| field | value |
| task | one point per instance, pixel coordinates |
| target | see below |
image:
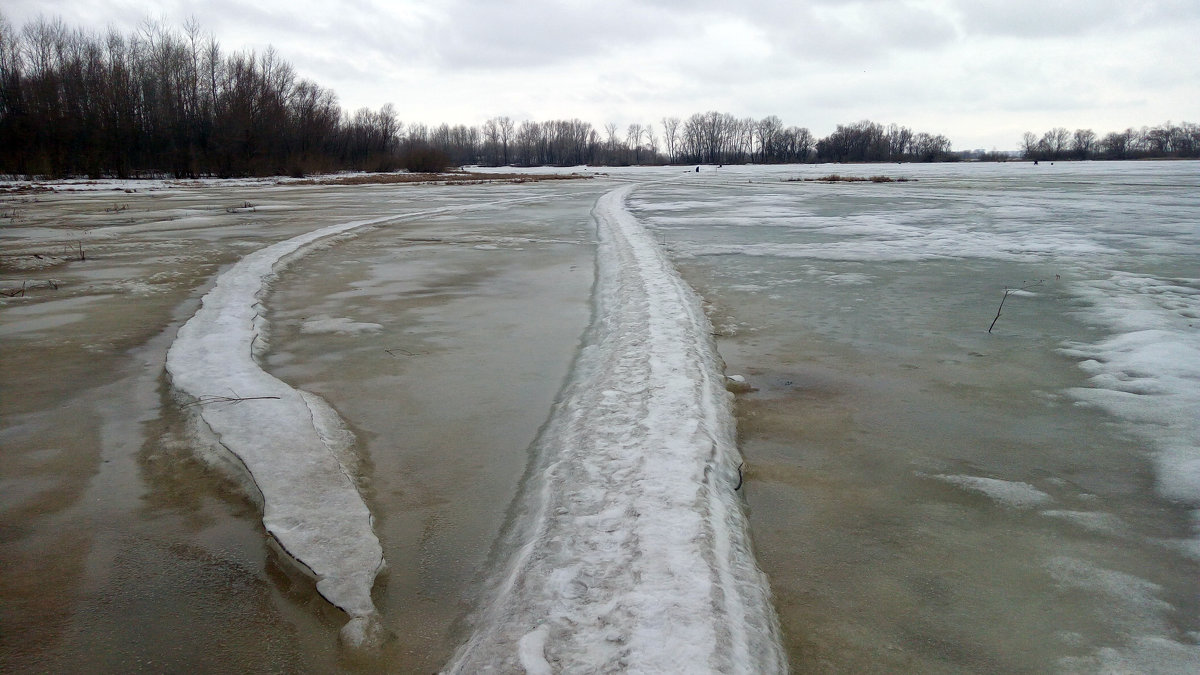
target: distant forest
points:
(1168, 140)
(169, 101)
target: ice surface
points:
(629, 550)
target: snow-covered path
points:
(629, 550)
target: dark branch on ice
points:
(1007, 292)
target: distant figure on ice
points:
(697, 169)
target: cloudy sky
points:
(981, 72)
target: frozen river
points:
(923, 495)
(927, 496)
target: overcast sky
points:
(981, 72)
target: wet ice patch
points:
(40, 324)
(327, 324)
(1146, 654)
(927, 245)
(849, 279)
(1134, 602)
(1135, 607)
(42, 317)
(1093, 521)
(1009, 493)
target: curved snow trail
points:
(292, 444)
(629, 550)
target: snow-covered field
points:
(509, 397)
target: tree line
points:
(1166, 140)
(164, 100)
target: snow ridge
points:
(629, 551)
(289, 448)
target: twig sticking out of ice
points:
(288, 446)
(629, 549)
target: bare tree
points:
(651, 142)
(1030, 147)
(531, 144)
(670, 136)
(610, 133)
(1055, 142)
(804, 143)
(767, 131)
(900, 141)
(633, 138)
(506, 132)
(491, 142)
(1083, 143)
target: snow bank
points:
(311, 506)
(629, 550)
(289, 446)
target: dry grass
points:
(835, 178)
(449, 178)
(23, 188)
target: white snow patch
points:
(532, 647)
(327, 324)
(1147, 371)
(1132, 600)
(849, 279)
(629, 550)
(1134, 607)
(1146, 654)
(1094, 521)
(1010, 493)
